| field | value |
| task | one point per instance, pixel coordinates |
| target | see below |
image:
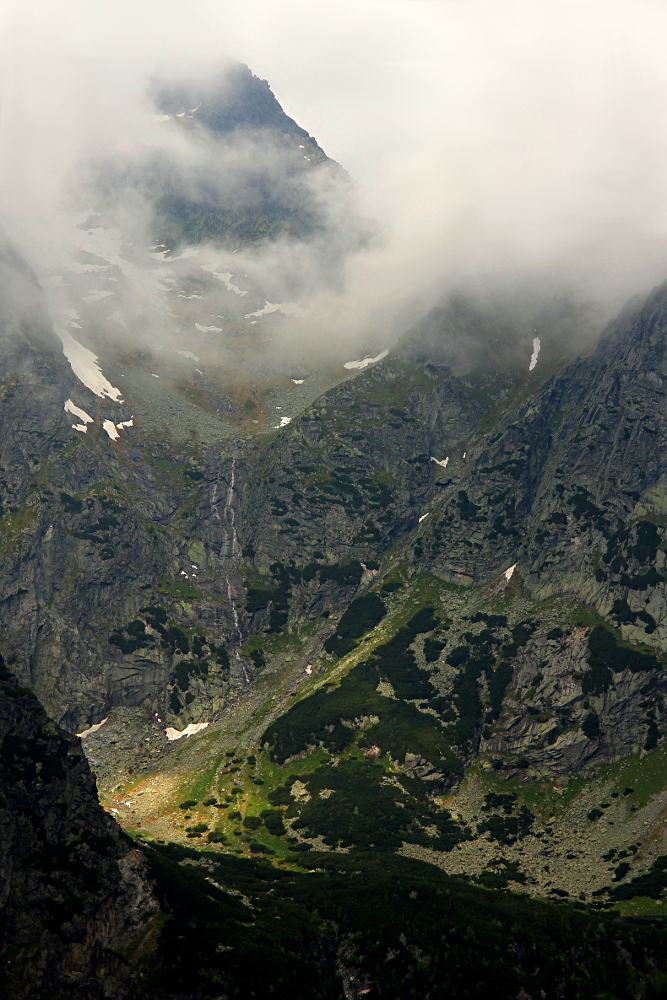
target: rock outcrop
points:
(76, 904)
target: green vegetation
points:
(444, 937)
(179, 588)
(393, 724)
(500, 823)
(591, 726)
(362, 615)
(607, 656)
(351, 806)
(650, 885)
(433, 649)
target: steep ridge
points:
(74, 891)
(276, 183)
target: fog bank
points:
(491, 144)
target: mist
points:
(491, 146)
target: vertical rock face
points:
(74, 898)
(571, 484)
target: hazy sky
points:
(486, 137)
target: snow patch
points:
(111, 429)
(76, 411)
(187, 354)
(508, 572)
(365, 362)
(423, 516)
(444, 462)
(206, 329)
(85, 367)
(92, 729)
(96, 295)
(534, 355)
(225, 278)
(284, 421)
(298, 381)
(286, 308)
(190, 730)
(126, 423)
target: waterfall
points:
(230, 553)
(239, 634)
(231, 540)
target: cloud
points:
(492, 143)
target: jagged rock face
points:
(352, 475)
(553, 723)
(563, 481)
(278, 183)
(90, 534)
(233, 99)
(73, 892)
(82, 569)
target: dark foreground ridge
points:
(75, 901)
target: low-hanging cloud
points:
(493, 144)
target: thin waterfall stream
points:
(231, 555)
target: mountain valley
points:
(336, 637)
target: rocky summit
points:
(321, 678)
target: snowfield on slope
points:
(85, 367)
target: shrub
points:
(607, 655)
(652, 734)
(273, 821)
(197, 829)
(260, 849)
(458, 656)
(402, 728)
(432, 650)
(498, 682)
(188, 804)
(362, 615)
(591, 726)
(348, 574)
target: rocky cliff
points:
(75, 899)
